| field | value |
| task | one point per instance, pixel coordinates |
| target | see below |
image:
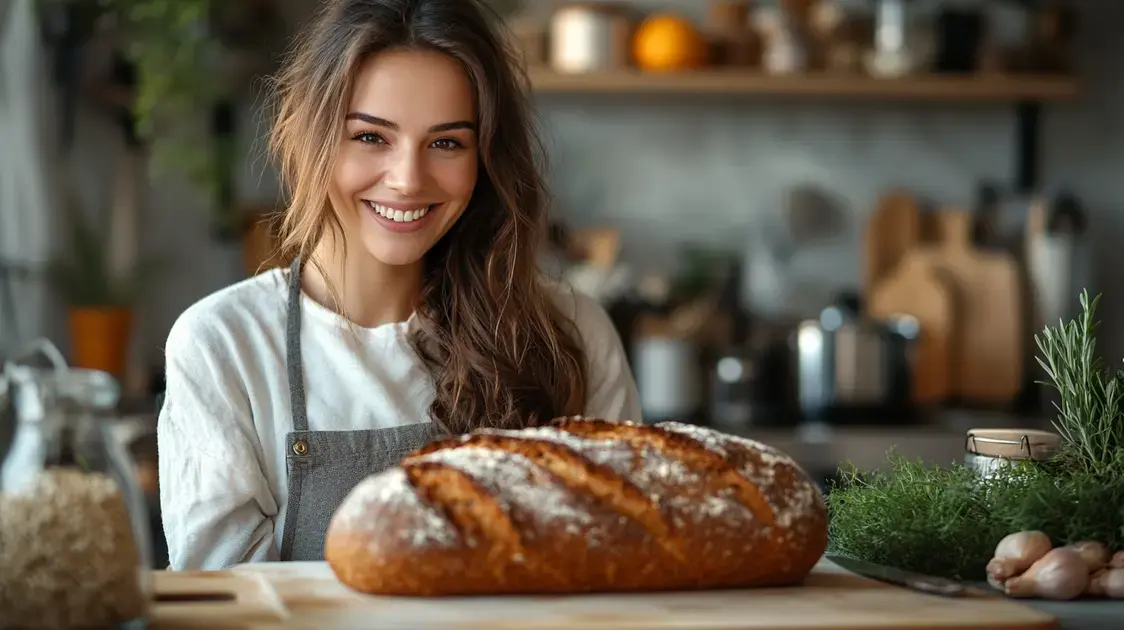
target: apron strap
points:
(293, 349)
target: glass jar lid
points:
(27, 390)
(1023, 444)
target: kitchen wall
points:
(700, 169)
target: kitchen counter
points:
(281, 596)
(1084, 615)
(939, 439)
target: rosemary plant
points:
(1090, 411)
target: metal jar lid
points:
(1012, 443)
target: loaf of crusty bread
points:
(580, 506)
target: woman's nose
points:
(406, 174)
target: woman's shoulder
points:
(230, 315)
(611, 390)
(588, 316)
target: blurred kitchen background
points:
(831, 225)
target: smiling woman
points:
(404, 139)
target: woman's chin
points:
(397, 254)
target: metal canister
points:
(986, 450)
(590, 37)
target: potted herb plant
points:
(99, 278)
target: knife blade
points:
(900, 577)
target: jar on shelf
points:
(75, 548)
(985, 450)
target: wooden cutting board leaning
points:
(893, 230)
(967, 301)
(919, 288)
(830, 599)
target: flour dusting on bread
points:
(660, 477)
(391, 492)
(518, 483)
(788, 507)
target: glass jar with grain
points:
(75, 551)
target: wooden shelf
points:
(977, 88)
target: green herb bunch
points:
(946, 521)
(1090, 416)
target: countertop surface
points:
(307, 595)
(1083, 614)
(938, 437)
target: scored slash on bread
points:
(580, 505)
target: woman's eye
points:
(369, 138)
(447, 144)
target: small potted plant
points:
(98, 279)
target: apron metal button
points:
(300, 447)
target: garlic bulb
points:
(1107, 583)
(1015, 554)
(1060, 574)
(1095, 554)
(1117, 561)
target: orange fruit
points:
(668, 42)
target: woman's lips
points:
(401, 218)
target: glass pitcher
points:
(75, 549)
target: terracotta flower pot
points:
(99, 338)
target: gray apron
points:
(323, 466)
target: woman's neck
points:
(370, 293)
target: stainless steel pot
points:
(844, 361)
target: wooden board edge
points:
(254, 600)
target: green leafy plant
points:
(1090, 415)
(194, 60)
(946, 520)
(191, 59)
(174, 56)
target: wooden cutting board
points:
(989, 362)
(893, 229)
(831, 599)
(214, 600)
(919, 288)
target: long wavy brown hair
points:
(499, 351)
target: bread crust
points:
(580, 506)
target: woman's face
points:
(407, 164)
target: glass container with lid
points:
(75, 549)
(986, 450)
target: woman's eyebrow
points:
(382, 122)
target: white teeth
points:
(399, 216)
